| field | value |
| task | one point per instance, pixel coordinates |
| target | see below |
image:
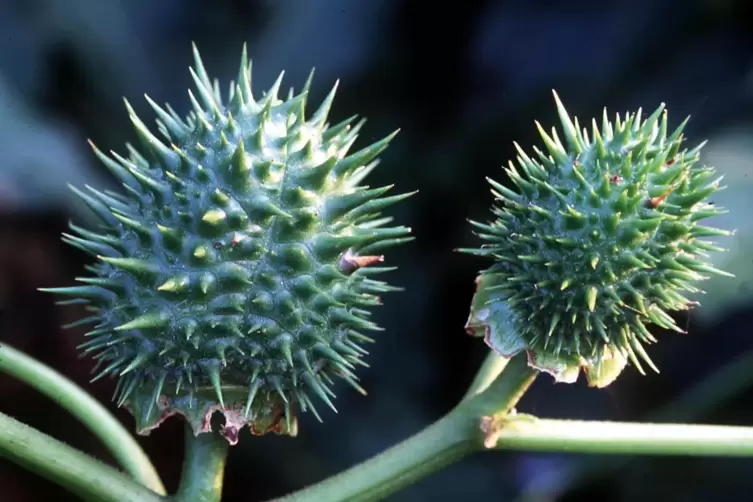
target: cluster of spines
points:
(601, 237)
(278, 179)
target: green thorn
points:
(177, 284)
(239, 167)
(117, 170)
(244, 76)
(338, 207)
(99, 209)
(288, 416)
(270, 209)
(135, 225)
(641, 352)
(553, 323)
(146, 321)
(285, 348)
(315, 177)
(163, 154)
(175, 130)
(273, 91)
(127, 390)
(555, 148)
(336, 130)
(251, 395)
(318, 387)
(171, 237)
(352, 382)
(278, 388)
(363, 156)
(81, 322)
(109, 369)
(308, 404)
(571, 134)
(591, 294)
(214, 378)
(200, 252)
(320, 115)
(214, 217)
(85, 291)
(133, 265)
(137, 361)
(156, 394)
(206, 94)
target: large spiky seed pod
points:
(600, 238)
(232, 272)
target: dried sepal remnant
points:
(600, 236)
(199, 407)
(239, 254)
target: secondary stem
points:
(460, 432)
(454, 436)
(718, 387)
(621, 438)
(203, 467)
(86, 409)
(77, 472)
(487, 373)
(503, 393)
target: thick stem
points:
(77, 472)
(454, 436)
(203, 467)
(437, 446)
(621, 438)
(86, 409)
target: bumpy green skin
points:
(231, 272)
(601, 239)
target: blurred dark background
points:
(463, 80)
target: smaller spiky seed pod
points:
(601, 238)
(234, 271)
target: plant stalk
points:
(485, 421)
(623, 438)
(435, 447)
(487, 373)
(203, 467)
(87, 410)
(449, 439)
(723, 384)
(79, 473)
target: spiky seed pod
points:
(600, 238)
(231, 272)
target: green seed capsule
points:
(228, 268)
(598, 239)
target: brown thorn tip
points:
(349, 262)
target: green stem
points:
(487, 373)
(722, 385)
(623, 438)
(86, 409)
(74, 470)
(451, 438)
(504, 392)
(437, 446)
(203, 467)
